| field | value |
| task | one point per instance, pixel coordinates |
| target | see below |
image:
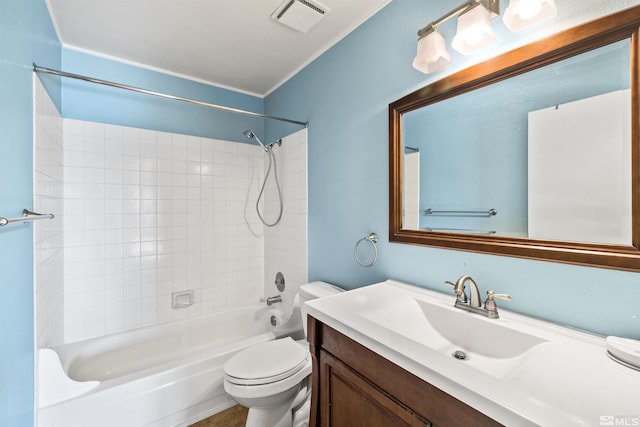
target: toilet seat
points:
(267, 362)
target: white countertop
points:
(567, 381)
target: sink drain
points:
(459, 354)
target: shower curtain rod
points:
(39, 69)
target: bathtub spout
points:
(273, 300)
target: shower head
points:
(250, 135)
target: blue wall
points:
(26, 36)
(345, 95)
(87, 101)
(91, 102)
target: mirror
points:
(535, 153)
(545, 154)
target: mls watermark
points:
(620, 420)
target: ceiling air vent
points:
(300, 15)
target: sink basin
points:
(492, 346)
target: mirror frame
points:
(609, 29)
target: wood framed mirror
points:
(518, 222)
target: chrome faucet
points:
(273, 300)
(473, 303)
(460, 290)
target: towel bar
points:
(490, 212)
(27, 216)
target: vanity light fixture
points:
(474, 29)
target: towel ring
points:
(373, 239)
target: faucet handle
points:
(490, 304)
(491, 295)
(459, 290)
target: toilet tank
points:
(314, 290)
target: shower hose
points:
(272, 163)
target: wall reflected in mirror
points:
(548, 150)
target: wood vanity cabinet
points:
(355, 387)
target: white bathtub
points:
(166, 375)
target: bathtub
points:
(166, 375)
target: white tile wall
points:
(48, 238)
(149, 213)
(286, 243)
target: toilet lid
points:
(267, 362)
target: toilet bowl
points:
(273, 378)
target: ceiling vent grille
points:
(301, 15)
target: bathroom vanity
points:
(389, 354)
(356, 386)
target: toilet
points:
(273, 378)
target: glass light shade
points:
(521, 14)
(432, 53)
(474, 30)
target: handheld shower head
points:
(249, 134)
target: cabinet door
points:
(349, 400)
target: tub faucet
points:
(273, 300)
(473, 304)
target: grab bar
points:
(27, 216)
(460, 230)
(490, 212)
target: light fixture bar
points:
(493, 6)
(474, 29)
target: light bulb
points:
(474, 30)
(473, 38)
(529, 10)
(522, 14)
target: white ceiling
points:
(229, 43)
